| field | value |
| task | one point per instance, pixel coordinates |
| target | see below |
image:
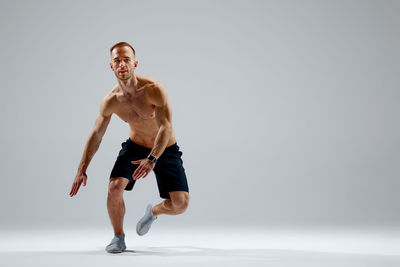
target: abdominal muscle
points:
(144, 133)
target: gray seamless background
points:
(286, 111)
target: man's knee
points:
(180, 201)
(116, 186)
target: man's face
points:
(123, 62)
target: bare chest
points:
(135, 109)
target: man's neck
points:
(129, 86)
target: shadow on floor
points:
(200, 251)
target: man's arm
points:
(93, 143)
(158, 96)
(95, 137)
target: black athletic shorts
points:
(169, 170)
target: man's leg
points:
(115, 203)
(176, 205)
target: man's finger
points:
(137, 175)
(73, 188)
(72, 192)
(140, 175)
(141, 172)
(135, 161)
(77, 189)
(137, 171)
(77, 185)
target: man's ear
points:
(111, 66)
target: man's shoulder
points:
(108, 102)
(156, 93)
(148, 80)
(110, 96)
(145, 79)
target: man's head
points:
(123, 60)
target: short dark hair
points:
(120, 44)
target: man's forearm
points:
(92, 145)
(161, 141)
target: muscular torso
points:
(139, 114)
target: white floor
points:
(203, 247)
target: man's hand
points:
(144, 168)
(80, 178)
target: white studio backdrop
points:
(287, 112)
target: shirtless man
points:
(143, 103)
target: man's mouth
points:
(122, 72)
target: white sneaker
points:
(117, 244)
(144, 224)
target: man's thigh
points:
(171, 178)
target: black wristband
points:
(152, 158)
